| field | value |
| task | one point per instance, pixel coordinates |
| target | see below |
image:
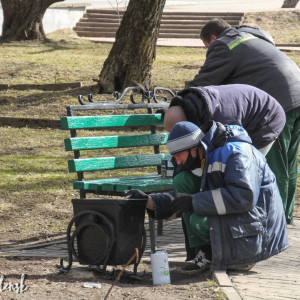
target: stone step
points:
(166, 13)
(89, 23)
(97, 26)
(96, 34)
(105, 23)
(93, 34)
(194, 23)
(116, 18)
(164, 23)
(114, 29)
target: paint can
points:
(160, 267)
(167, 169)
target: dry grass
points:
(284, 26)
(35, 187)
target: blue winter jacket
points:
(240, 197)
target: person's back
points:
(235, 55)
(240, 57)
(237, 104)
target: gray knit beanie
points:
(183, 136)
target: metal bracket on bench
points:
(143, 93)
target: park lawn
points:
(35, 188)
(61, 62)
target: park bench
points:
(149, 182)
(115, 153)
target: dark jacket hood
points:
(219, 134)
(194, 105)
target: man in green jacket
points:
(248, 55)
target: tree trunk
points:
(289, 3)
(22, 19)
(133, 52)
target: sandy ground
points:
(232, 6)
(44, 282)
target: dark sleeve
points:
(217, 67)
(162, 205)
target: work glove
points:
(136, 194)
(182, 203)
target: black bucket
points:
(108, 230)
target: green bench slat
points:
(150, 183)
(119, 162)
(147, 183)
(84, 122)
(104, 142)
(95, 184)
(155, 186)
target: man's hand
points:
(136, 194)
(182, 203)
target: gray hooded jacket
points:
(237, 56)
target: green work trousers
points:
(196, 225)
(284, 163)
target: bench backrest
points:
(95, 140)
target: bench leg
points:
(159, 227)
(152, 234)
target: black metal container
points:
(108, 230)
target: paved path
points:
(275, 278)
(172, 240)
(188, 43)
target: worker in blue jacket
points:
(247, 55)
(240, 104)
(235, 208)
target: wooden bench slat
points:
(119, 162)
(163, 185)
(84, 122)
(104, 142)
(98, 182)
(147, 185)
(150, 183)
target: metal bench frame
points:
(97, 106)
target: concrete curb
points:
(226, 286)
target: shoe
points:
(198, 264)
(243, 269)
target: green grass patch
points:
(35, 187)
